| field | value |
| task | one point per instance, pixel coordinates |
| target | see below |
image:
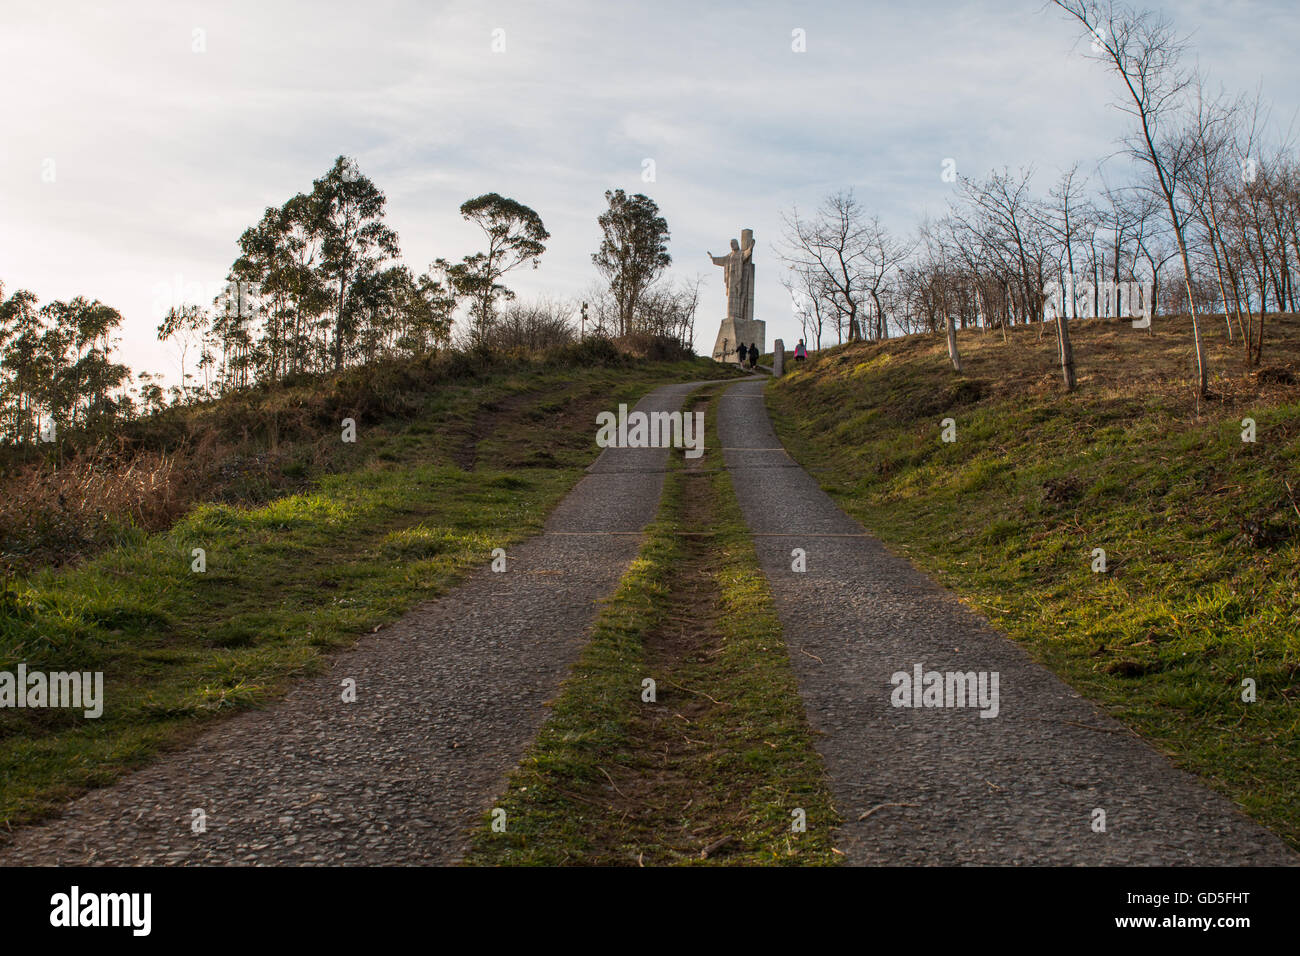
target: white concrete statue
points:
(739, 325)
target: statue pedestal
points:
(739, 330)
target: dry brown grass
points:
(1114, 361)
(50, 513)
(53, 514)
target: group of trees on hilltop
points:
(1209, 215)
(56, 366)
(327, 290)
(318, 286)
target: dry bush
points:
(653, 348)
(532, 328)
(53, 513)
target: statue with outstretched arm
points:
(726, 260)
(738, 280)
(733, 277)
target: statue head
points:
(735, 245)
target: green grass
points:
(290, 580)
(1008, 517)
(608, 780)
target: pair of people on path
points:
(752, 354)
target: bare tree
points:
(667, 309)
(1142, 49)
(945, 280)
(882, 254)
(1000, 216)
(835, 246)
(1122, 216)
(1211, 131)
(810, 296)
(1157, 248)
(1066, 218)
(533, 326)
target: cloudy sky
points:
(161, 156)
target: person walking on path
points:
(753, 356)
(800, 351)
(740, 352)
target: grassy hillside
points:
(60, 504)
(1201, 530)
(443, 470)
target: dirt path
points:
(943, 785)
(447, 700)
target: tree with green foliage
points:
(355, 242)
(56, 363)
(185, 325)
(23, 375)
(515, 235)
(633, 252)
(79, 350)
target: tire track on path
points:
(448, 698)
(944, 785)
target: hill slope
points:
(1201, 531)
(450, 465)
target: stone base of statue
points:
(739, 330)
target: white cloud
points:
(164, 156)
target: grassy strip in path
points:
(288, 581)
(1202, 540)
(721, 758)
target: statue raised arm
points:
(735, 268)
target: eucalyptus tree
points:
(355, 242)
(633, 250)
(24, 376)
(515, 236)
